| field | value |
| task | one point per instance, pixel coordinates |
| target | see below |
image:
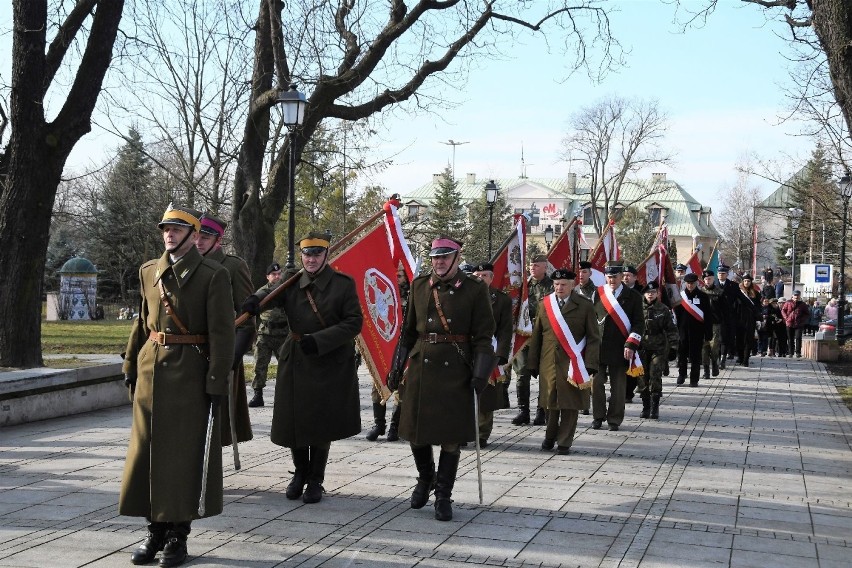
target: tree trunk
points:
(36, 154)
(832, 22)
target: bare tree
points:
(358, 58)
(614, 138)
(738, 219)
(38, 147)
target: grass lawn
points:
(103, 336)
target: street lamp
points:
(490, 198)
(846, 191)
(293, 104)
(548, 236)
(795, 216)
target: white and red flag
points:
(565, 251)
(510, 276)
(372, 260)
(605, 251)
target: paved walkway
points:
(753, 468)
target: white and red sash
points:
(577, 373)
(691, 308)
(609, 299)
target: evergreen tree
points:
(635, 235)
(446, 214)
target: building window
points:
(588, 217)
(414, 212)
(655, 215)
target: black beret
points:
(585, 264)
(563, 274)
(691, 277)
(540, 258)
(630, 269)
(484, 267)
(708, 273)
(274, 267)
(651, 287)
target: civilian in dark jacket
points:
(777, 329)
(747, 314)
(694, 326)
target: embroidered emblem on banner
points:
(382, 299)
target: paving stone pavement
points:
(752, 468)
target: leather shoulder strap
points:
(167, 305)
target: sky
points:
(722, 86)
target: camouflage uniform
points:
(271, 334)
(660, 338)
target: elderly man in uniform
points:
(619, 314)
(711, 349)
(446, 339)
(561, 360)
(659, 345)
(730, 291)
(271, 334)
(183, 340)
(493, 398)
(209, 244)
(539, 285)
(316, 388)
(692, 314)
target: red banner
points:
(564, 253)
(510, 276)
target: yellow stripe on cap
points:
(183, 216)
(305, 243)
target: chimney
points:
(572, 181)
(471, 179)
(656, 178)
(436, 178)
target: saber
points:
(232, 415)
(204, 466)
(478, 460)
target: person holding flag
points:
(446, 340)
(316, 390)
(621, 321)
(693, 315)
(565, 338)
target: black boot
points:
(257, 399)
(379, 411)
(393, 431)
(723, 357)
(540, 417)
(523, 416)
(425, 476)
(448, 465)
(174, 553)
(646, 405)
(153, 543)
(714, 366)
(314, 490)
(707, 371)
(300, 476)
(655, 406)
(506, 403)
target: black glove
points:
(479, 384)
(393, 379)
(533, 373)
(129, 381)
(672, 354)
(309, 345)
(242, 344)
(251, 305)
(215, 400)
(591, 371)
(502, 360)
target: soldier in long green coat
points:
(210, 246)
(176, 366)
(316, 388)
(446, 337)
(550, 361)
(494, 396)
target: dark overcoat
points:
(613, 341)
(692, 332)
(548, 357)
(162, 473)
(316, 396)
(437, 399)
(492, 397)
(241, 288)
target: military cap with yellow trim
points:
(314, 243)
(182, 216)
